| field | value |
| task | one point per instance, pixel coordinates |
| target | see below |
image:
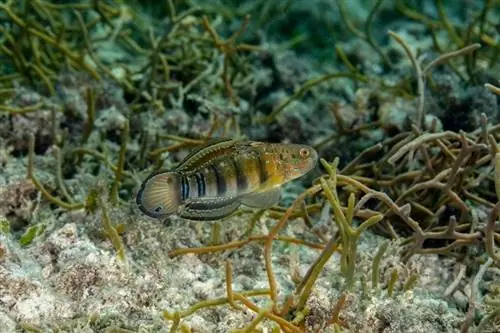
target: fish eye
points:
(158, 209)
(304, 153)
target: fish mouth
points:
(315, 156)
(313, 159)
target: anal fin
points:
(262, 200)
(209, 209)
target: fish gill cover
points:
(395, 230)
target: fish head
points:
(298, 159)
(159, 196)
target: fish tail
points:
(159, 194)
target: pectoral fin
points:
(208, 209)
(265, 199)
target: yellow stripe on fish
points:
(212, 181)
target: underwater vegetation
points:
(395, 230)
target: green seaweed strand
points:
(121, 162)
(111, 232)
(349, 235)
(40, 187)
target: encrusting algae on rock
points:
(212, 182)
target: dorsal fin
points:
(213, 146)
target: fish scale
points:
(212, 181)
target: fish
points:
(214, 180)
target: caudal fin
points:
(159, 195)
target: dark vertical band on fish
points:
(200, 182)
(241, 179)
(184, 188)
(261, 168)
(220, 182)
